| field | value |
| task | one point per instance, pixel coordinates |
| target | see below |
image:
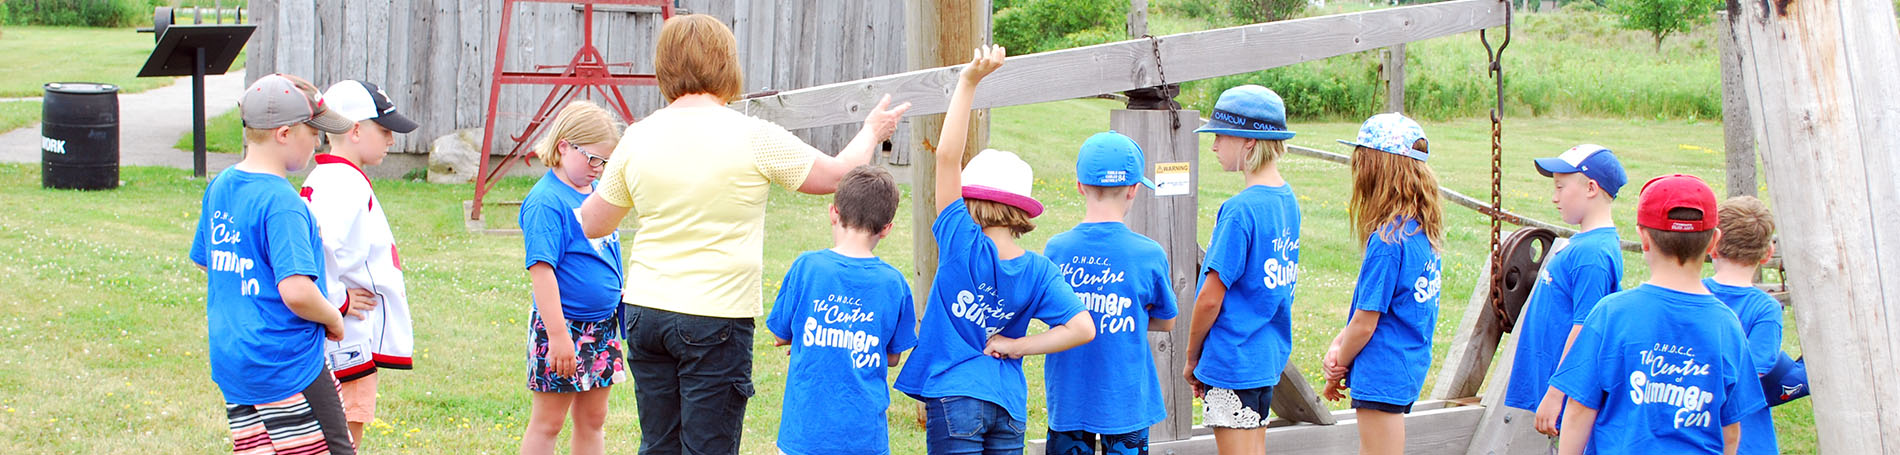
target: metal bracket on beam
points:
(1157, 98)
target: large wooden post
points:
(1738, 134)
(1823, 84)
(1393, 72)
(937, 33)
(1169, 220)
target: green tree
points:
(1030, 26)
(1663, 17)
(1257, 11)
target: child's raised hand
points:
(983, 61)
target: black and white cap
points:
(359, 101)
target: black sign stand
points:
(194, 50)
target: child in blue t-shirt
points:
(266, 316)
(968, 367)
(1386, 347)
(1109, 387)
(574, 354)
(1242, 329)
(1747, 242)
(1586, 179)
(1663, 367)
(847, 316)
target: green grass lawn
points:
(15, 114)
(103, 323)
(36, 55)
(224, 133)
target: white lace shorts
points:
(1238, 409)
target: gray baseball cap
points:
(283, 100)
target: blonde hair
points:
(994, 214)
(580, 123)
(1748, 230)
(1388, 188)
(697, 54)
(1264, 152)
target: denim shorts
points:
(964, 425)
(1244, 409)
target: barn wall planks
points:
(434, 57)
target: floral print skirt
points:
(596, 351)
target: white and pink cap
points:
(999, 176)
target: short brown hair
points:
(1748, 230)
(995, 214)
(1683, 247)
(697, 54)
(866, 198)
(1097, 193)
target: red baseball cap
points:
(1676, 191)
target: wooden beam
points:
(1823, 85)
(1504, 430)
(1126, 65)
(1393, 72)
(1738, 134)
(1464, 366)
(1295, 400)
(1432, 432)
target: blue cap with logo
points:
(1591, 160)
(1392, 133)
(1110, 159)
(1249, 111)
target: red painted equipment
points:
(586, 75)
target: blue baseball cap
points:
(1110, 159)
(1249, 111)
(1591, 160)
(1392, 133)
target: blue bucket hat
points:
(1110, 159)
(1591, 160)
(1249, 111)
(1392, 133)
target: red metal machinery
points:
(586, 75)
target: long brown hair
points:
(1388, 188)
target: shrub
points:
(1257, 11)
(86, 13)
(1030, 26)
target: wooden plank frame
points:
(1125, 65)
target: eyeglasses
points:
(592, 159)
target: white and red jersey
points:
(359, 252)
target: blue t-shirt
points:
(1256, 249)
(1400, 281)
(846, 317)
(587, 270)
(1665, 369)
(253, 232)
(1109, 386)
(1760, 315)
(1573, 280)
(973, 296)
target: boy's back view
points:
(848, 316)
(1661, 368)
(1109, 387)
(266, 316)
(1747, 242)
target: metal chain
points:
(1174, 108)
(1497, 166)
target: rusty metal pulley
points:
(1523, 254)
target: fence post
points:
(1394, 75)
(1167, 215)
(1738, 133)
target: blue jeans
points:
(692, 376)
(964, 425)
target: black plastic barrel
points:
(79, 136)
